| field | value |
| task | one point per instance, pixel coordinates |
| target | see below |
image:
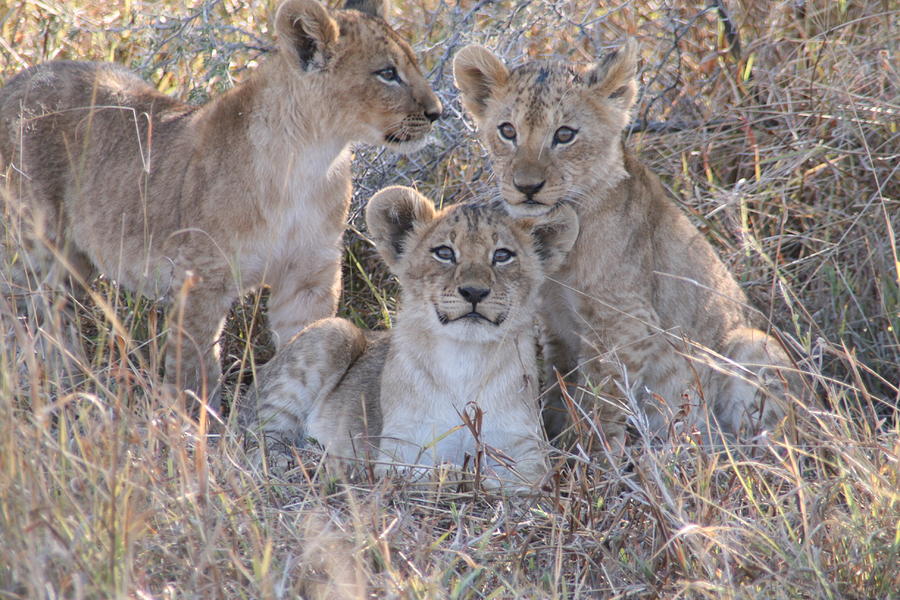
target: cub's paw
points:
(271, 455)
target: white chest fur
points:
(496, 380)
(305, 194)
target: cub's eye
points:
(444, 254)
(564, 135)
(507, 131)
(503, 256)
(388, 75)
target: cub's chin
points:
(528, 208)
(470, 327)
(404, 146)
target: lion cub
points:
(464, 338)
(643, 303)
(250, 189)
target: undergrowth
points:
(774, 125)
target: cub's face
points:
(553, 131)
(472, 269)
(358, 62)
(470, 272)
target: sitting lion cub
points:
(250, 189)
(643, 303)
(471, 278)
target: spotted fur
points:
(643, 304)
(399, 397)
(250, 189)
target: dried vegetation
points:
(775, 124)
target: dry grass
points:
(784, 151)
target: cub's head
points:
(553, 130)
(470, 272)
(355, 60)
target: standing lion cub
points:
(643, 304)
(464, 338)
(250, 189)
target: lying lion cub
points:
(464, 338)
(643, 303)
(250, 189)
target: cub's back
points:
(691, 286)
(360, 389)
(57, 90)
(50, 102)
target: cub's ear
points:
(478, 74)
(307, 31)
(392, 215)
(615, 76)
(554, 235)
(374, 8)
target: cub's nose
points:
(529, 189)
(433, 108)
(473, 294)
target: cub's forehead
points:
(540, 89)
(366, 33)
(474, 223)
(544, 76)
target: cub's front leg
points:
(301, 294)
(561, 348)
(195, 319)
(628, 351)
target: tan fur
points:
(642, 289)
(250, 189)
(398, 397)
